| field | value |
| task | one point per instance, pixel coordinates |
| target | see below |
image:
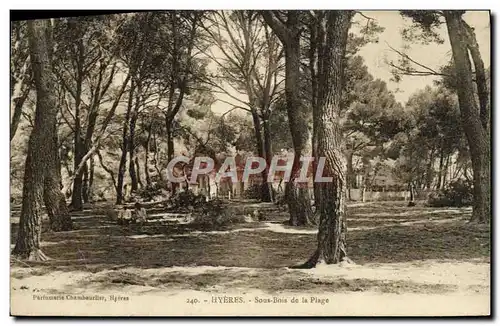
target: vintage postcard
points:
(250, 163)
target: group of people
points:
(137, 215)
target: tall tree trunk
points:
(480, 73)
(350, 177)
(430, 170)
(85, 184)
(299, 204)
(330, 201)
(54, 199)
(268, 150)
(55, 203)
(41, 145)
(76, 196)
(131, 147)
(170, 149)
(289, 34)
(92, 119)
(138, 174)
(441, 167)
(90, 191)
(313, 60)
(132, 167)
(446, 167)
(264, 193)
(125, 148)
(155, 157)
(77, 193)
(146, 158)
(478, 137)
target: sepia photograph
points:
(312, 163)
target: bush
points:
(214, 215)
(280, 200)
(253, 192)
(149, 193)
(188, 200)
(456, 194)
(154, 190)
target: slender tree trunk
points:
(76, 196)
(313, 60)
(120, 179)
(264, 193)
(138, 174)
(146, 159)
(170, 140)
(478, 137)
(350, 177)
(77, 193)
(133, 172)
(155, 157)
(430, 170)
(125, 148)
(131, 149)
(170, 149)
(85, 184)
(446, 167)
(268, 150)
(331, 203)
(90, 191)
(89, 168)
(41, 145)
(299, 204)
(441, 167)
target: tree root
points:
(314, 261)
(310, 263)
(35, 255)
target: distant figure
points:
(124, 216)
(140, 214)
(412, 194)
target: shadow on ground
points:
(97, 244)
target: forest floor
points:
(407, 261)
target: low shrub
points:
(280, 200)
(253, 192)
(187, 200)
(149, 192)
(156, 189)
(214, 214)
(456, 194)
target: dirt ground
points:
(407, 261)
